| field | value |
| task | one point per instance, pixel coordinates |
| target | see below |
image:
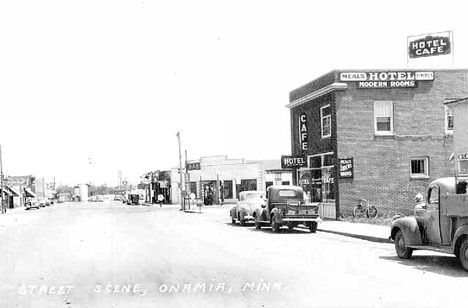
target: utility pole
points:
(1, 180)
(180, 172)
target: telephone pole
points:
(180, 172)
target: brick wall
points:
(382, 164)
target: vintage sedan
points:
(248, 202)
(32, 203)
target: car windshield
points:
(254, 196)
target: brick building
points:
(379, 135)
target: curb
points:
(358, 236)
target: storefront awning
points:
(9, 191)
(29, 193)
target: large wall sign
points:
(303, 132)
(387, 79)
(288, 161)
(346, 168)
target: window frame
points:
(384, 133)
(322, 118)
(446, 119)
(426, 173)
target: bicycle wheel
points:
(357, 212)
(371, 212)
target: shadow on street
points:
(267, 230)
(443, 265)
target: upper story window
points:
(325, 115)
(383, 117)
(448, 120)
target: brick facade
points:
(382, 164)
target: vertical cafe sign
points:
(303, 133)
(433, 49)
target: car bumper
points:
(249, 217)
(302, 219)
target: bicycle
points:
(363, 208)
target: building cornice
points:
(325, 90)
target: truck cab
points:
(285, 206)
(441, 224)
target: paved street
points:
(115, 255)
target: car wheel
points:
(275, 227)
(291, 227)
(313, 227)
(258, 225)
(233, 221)
(402, 251)
(462, 254)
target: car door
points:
(431, 216)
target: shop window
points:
(248, 185)
(285, 183)
(268, 184)
(227, 186)
(193, 188)
(448, 120)
(383, 117)
(325, 115)
(420, 167)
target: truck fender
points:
(462, 231)
(275, 212)
(410, 228)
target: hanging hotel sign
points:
(387, 79)
(346, 168)
(288, 161)
(303, 133)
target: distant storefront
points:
(217, 179)
(380, 135)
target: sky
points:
(91, 87)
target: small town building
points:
(379, 135)
(24, 188)
(219, 179)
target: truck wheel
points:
(402, 251)
(233, 221)
(462, 254)
(313, 227)
(274, 225)
(258, 225)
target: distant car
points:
(248, 202)
(43, 202)
(99, 198)
(32, 203)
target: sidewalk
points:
(374, 233)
